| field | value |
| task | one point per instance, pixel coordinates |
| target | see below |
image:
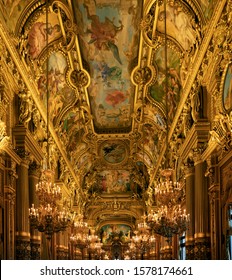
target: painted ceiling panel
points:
(108, 37)
(174, 83)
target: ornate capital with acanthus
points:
(197, 153)
(23, 154)
(34, 169)
(188, 167)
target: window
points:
(182, 251)
(230, 231)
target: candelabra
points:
(46, 190)
(168, 221)
(95, 245)
(47, 217)
(80, 234)
(168, 191)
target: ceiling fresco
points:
(109, 36)
(110, 233)
(174, 83)
(106, 82)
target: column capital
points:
(34, 169)
(197, 153)
(188, 167)
(9, 194)
(24, 155)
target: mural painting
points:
(179, 25)
(38, 33)
(108, 38)
(60, 94)
(115, 181)
(113, 152)
(157, 90)
(227, 89)
(115, 232)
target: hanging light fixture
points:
(168, 221)
(95, 245)
(168, 191)
(169, 218)
(47, 217)
(80, 234)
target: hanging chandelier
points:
(95, 245)
(80, 234)
(48, 217)
(168, 191)
(46, 190)
(168, 221)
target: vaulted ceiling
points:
(106, 75)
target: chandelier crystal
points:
(47, 217)
(80, 233)
(168, 221)
(168, 191)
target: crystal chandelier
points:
(95, 245)
(168, 221)
(48, 217)
(168, 191)
(80, 234)
(46, 191)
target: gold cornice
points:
(25, 139)
(198, 133)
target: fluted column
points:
(189, 181)
(9, 225)
(214, 199)
(9, 211)
(201, 236)
(23, 249)
(34, 173)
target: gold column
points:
(61, 249)
(201, 236)
(9, 211)
(165, 249)
(9, 225)
(34, 173)
(23, 249)
(189, 177)
(214, 198)
(85, 254)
